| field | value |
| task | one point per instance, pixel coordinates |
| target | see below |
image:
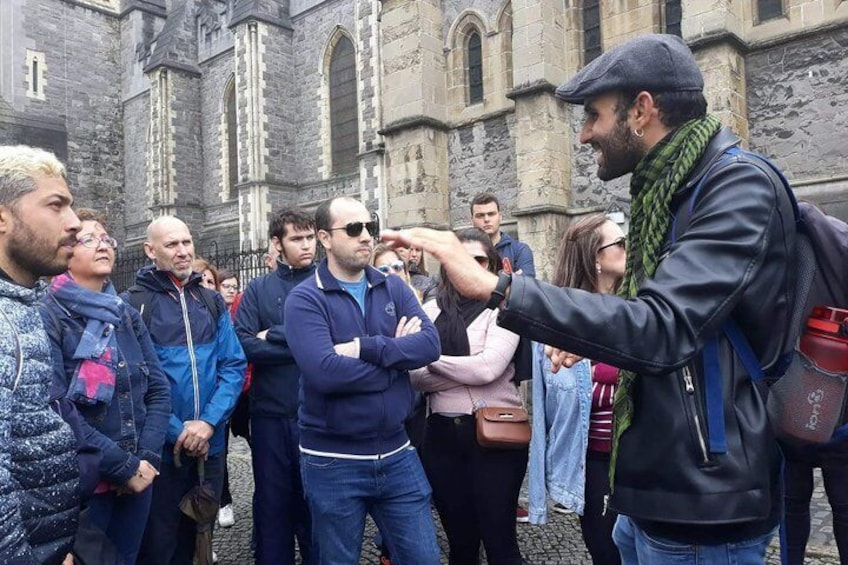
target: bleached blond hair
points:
(21, 166)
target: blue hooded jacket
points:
(201, 356)
(348, 405)
(274, 389)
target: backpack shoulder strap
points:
(139, 299)
(211, 302)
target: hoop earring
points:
(639, 132)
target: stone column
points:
(161, 171)
(542, 136)
(250, 37)
(414, 98)
(714, 30)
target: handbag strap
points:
(473, 402)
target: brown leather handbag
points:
(501, 427)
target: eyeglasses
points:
(621, 242)
(93, 242)
(354, 229)
(482, 260)
(229, 286)
(396, 266)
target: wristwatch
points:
(498, 295)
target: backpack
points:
(806, 403)
(140, 298)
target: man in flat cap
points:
(694, 464)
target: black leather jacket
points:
(731, 261)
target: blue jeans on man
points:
(393, 490)
(280, 512)
(636, 546)
(170, 535)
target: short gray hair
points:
(21, 166)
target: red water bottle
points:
(825, 341)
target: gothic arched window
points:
(474, 52)
(344, 114)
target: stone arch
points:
(504, 29)
(468, 24)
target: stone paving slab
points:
(557, 543)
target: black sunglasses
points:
(621, 242)
(354, 229)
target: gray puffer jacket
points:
(39, 475)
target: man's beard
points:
(34, 254)
(353, 263)
(621, 151)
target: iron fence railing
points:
(245, 263)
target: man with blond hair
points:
(39, 475)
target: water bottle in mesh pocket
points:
(807, 404)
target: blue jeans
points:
(122, 518)
(280, 512)
(169, 536)
(395, 491)
(636, 547)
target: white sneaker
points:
(562, 509)
(226, 517)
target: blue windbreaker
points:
(202, 357)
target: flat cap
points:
(655, 62)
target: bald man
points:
(205, 364)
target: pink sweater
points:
(487, 373)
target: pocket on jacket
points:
(144, 377)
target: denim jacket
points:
(132, 427)
(561, 405)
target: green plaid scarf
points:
(656, 178)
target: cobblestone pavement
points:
(558, 542)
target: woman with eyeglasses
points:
(575, 466)
(105, 364)
(475, 489)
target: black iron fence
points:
(245, 263)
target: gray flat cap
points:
(655, 62)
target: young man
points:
(205, 365)
(280, 513)
(355, 333)
(707, 500)
(486, 215)
(39, 475)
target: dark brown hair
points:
(447, 294)
(484, 198)
(577, 254)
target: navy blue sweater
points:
(348, 405)
(274, 388)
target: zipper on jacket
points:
(689, 384)
(190, 343)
